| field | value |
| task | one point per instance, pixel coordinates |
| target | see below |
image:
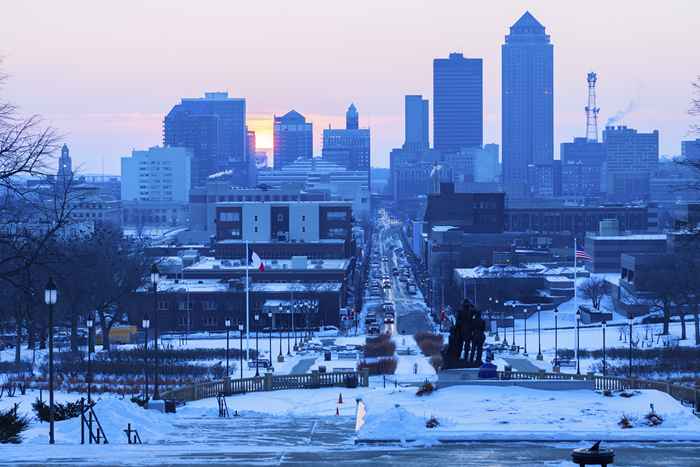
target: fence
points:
(684, 394)
(268, 382)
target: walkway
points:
(302, 366)
(521, 364)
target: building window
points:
(209, 321)
(337, 215)
(256, 218)
(209, 305)
(228, 216)
(303, 218)
(303, 229)
(256, 230)
(184, 306)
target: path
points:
(521, 364)
(302, 366)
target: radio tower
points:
(592, 110)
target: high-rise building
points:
(486, 166)
(632, 158)
(213, 128)
(158, 174)
(690, 150)
(416, 122)
(251, 146)
(582, 168)
(349, 147)
(458, 103)
(527, 104)
(65, 166)
(293, 138)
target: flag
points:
(257, 262)
(581, 254)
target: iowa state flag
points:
(256, 261)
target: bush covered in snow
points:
(380, 346)
(12, 425)
(381, 366)
(61, 411)
(429, 343)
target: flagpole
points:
(575, 299)
(247, 304)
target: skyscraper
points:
(349, 147)
(416, 122)
(632, 157)
(458, 103)
(213, 128)
(65, 166)
(527, 103)
(690, 149)
(352, 118)
(293, 138)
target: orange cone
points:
(340, 398)
(337, 412)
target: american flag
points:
(581, 254)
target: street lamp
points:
(240, 334)
(556, 337)
(630, 321)
(291, 314)
(603, 325)
(539, 334)
(280, 356)
(227, 323)
(525, 322)
(269, 315)
(145, 324)
(578, 341)
(155, 278)
(512, 314)
(89, 323)
(50, 298)
(505, 329)
(497, 338)
(257, 352)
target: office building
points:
(349, 147)
(65, 167)
(458, 103)
(690, 150)
(467, 212)
(213, 128)
(632, 158)
(582, 166)
(527, 99)
(157, 174)
(486, 166)
(416, 122)
(293, 139)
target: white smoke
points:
(620, 114)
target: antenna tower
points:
(592, 110)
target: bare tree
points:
(594, 289)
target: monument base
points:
(458, 374)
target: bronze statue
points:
(466, 342)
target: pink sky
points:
(105, 73)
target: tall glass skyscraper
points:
(527, 104)
(293, 138)
(416, 122)
(458, 103)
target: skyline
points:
(109, 95)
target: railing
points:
(268, 382)
(684, 394)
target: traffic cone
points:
(337, 412)
(340, 398)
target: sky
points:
(105, 73)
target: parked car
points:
(328, 331)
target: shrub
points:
(425, 389)
(430, 344)
(12, 425)
(432, 422)
(436, 362)
(382, 366)
(380, 346)
(60, 412)
(625, 422)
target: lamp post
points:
(145, 324)
(89, 323)
(603, 325)
(525, 330)
(155, 278)
(497, 338)
(269, 315)
(512, 314)
(578, 341)
(280, 356)
(505, 329)
(50, 298)
(227, 323)
(240, 334)
(556, 337)
(539, 334)
(291, 314)
(257, 352)
(294, 331)
(630, 321)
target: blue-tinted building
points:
(293, 138)
(527, 103)
(349, 147)
(416, 122)
(458, 103)
(213, 128)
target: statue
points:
(466, 342)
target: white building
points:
(157, 175)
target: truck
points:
(411, 288)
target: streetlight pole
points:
(539, 334)
(578, 341)
(512, 314)
(556, 337)
(155, 278)
(227, 323)
(505, 328)
(525, 322)
(89, 323)
(50, 298)
(240, 334)
(280, 356)
(257, 352)
(291, 314)
(604, 325)
(497, 338)
(269, 315)
(145, 324)
(630, 321)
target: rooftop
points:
(207, 263)
(629, 237)
(217, 285)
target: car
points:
(328, 331)
(373, 330)
(386, 285)
(388, 320)
(260, 362)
